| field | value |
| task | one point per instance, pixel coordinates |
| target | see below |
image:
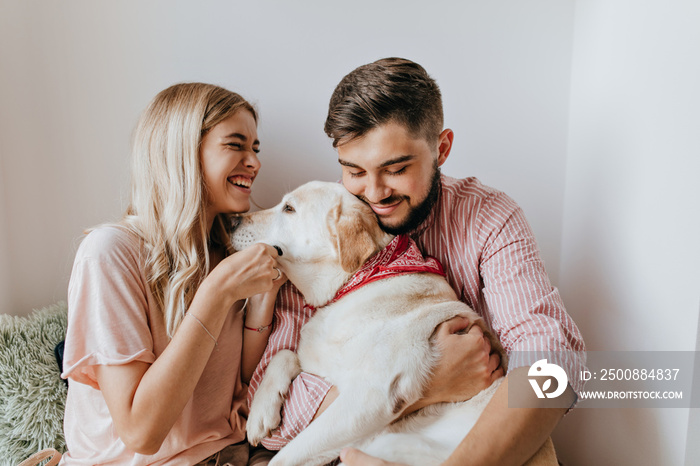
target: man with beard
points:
(386, 122)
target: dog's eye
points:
(287, 208)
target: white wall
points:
(630, 269)
(76, 74)
(5, 297)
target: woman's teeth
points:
(241, 181)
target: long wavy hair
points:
(168, 194)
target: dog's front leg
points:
(265, 409)
(354, 415)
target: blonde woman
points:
(159, 346)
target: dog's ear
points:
(357, 235)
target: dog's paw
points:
(263, 419)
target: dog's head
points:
(323, 232)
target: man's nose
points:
(376, 190)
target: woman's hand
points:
(467, 365)
(246, 273)
(354, 457)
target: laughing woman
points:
(157, 350)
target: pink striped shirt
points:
(492, 261)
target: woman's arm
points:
(145, 400)
(259, 314)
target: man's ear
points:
(445, 140)
(357, 235)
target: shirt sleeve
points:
(307, 391)
(525, 310)
(107, 307)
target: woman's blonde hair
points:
(168, 194)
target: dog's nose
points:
(279, 250)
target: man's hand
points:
(354, 457)
(467, 365)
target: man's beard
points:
(417, 215)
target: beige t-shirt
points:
(113, 320)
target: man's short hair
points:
(387, 90)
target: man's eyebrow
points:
(240, 136)
(348, 164)
(394, 161)
(399, 159)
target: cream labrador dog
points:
(374, 344)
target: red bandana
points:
(399, 257)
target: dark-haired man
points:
(386, 122)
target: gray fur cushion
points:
(32, 394)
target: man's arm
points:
(467, 366)
(521, 431)
(529, 316)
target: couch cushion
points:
(32, 394)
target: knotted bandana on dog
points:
(400, 256)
